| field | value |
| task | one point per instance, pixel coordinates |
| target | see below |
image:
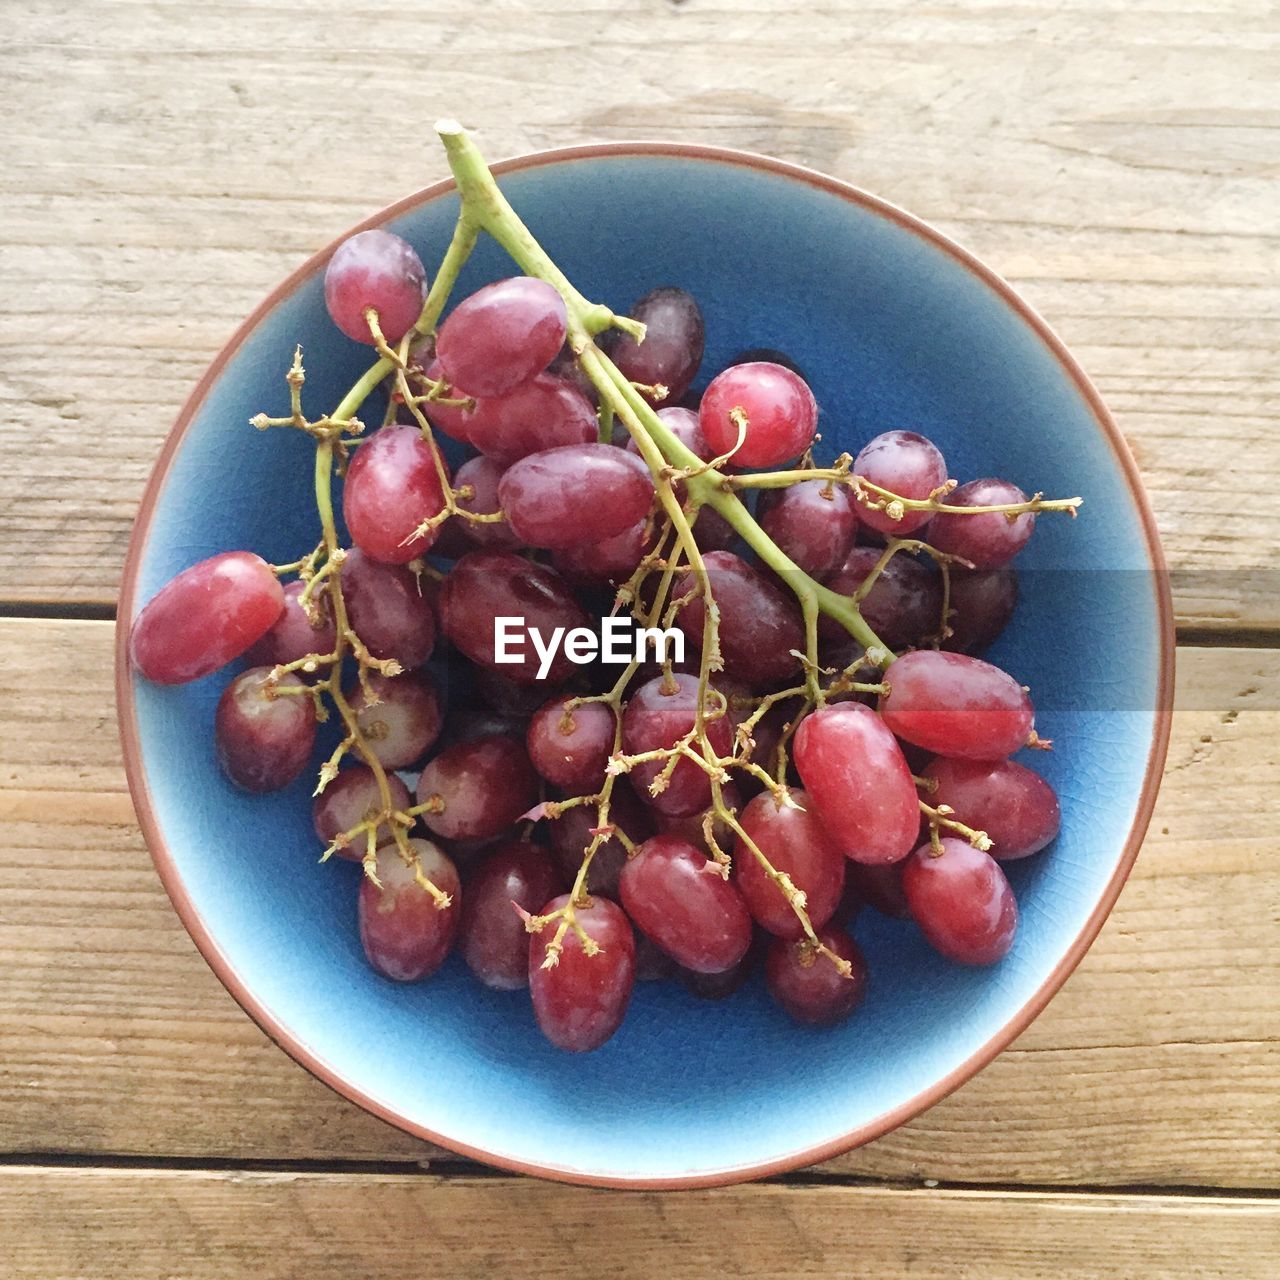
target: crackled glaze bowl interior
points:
(894, 327)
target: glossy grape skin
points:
(350, 799)
(403, 725)
(406, 937)
(904, 605)
(816, 993)
(677, 898)
(795, 842)
(813, 522)
(575, 494)
(263, 743)
(486, 585)
(389, 609)
(982, 603)
(380, 270)
(492, 936)
(571, 833)
(956, 706)
(502, 336)
(547, 413)
(759, 622)
(610, 560)
(392, 485)
(879, 887)
(206, 616)
(1017, 808)
(485, 784)
(987, 540)
(858, 782)
(782, 414)
(570, 748)
(656, 719)
(961, 901)
(483, 475)
(908, 465)
(672, 348)
(292, 636)
(581, 1001)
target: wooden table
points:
(165, 164)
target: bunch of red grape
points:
(580, 827)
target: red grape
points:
(982, 602)
(961, 901)
(405, 935)
(858, 782)
(572, 832)
(484, 785)
(690, 827)
(205, 617)
(493, 939)
(991, 538)
(658, 716)
(502, 336)
(957, 706)
(581, 1001)
(475, 721)
(809, 986)
(684, 425)
(547, 413)
(780, 410)
(813, 522)
(293, 636)
(511, 698)
(483, 475)
(720, 986)
(388, 608)
(608, 560)
(677, 897)
(879, 887)
(652, 963)
(909, 466)
(672, 348)
(392, 485)
(263, 740)
(904, 605)
(571, 748)
(350, 799)
(404, 723)
(575, 494)
(1014, 806)
(380, 270)
(796, 843)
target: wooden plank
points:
(146, 1225)
(159, 179)
(1158, 1063)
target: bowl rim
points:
(286, 1039)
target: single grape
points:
(402, 725)
(406, 936)
(351, 798)
(956, 706)
(672, 348)
(487, 585)
(575, 494)
(797, 844)
(813, 522)
(659, 715)
(684, 425)
(570, 748)
(502, 336)
(991, 538)
(380, 270)
(809, 986)
(581, 1000)
(1017, 808)
(961, 901)
(904, 605)
(879, 887)
(547, 413)
(293, 635)
(392, 485)
(205, 617)
(481, 788)
(780, 412)
(483, 475)
(264, 738)
(574, 830)
(609, 560)
(759, 622)
(982, 602)
(909, 466)
(389, 607)
(493, 940)
(859, 783)
(677, 897)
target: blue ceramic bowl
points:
(895, 327)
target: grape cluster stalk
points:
(684, 740)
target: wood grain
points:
(200, 1225)
(1158, 1063)
(162, 166)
